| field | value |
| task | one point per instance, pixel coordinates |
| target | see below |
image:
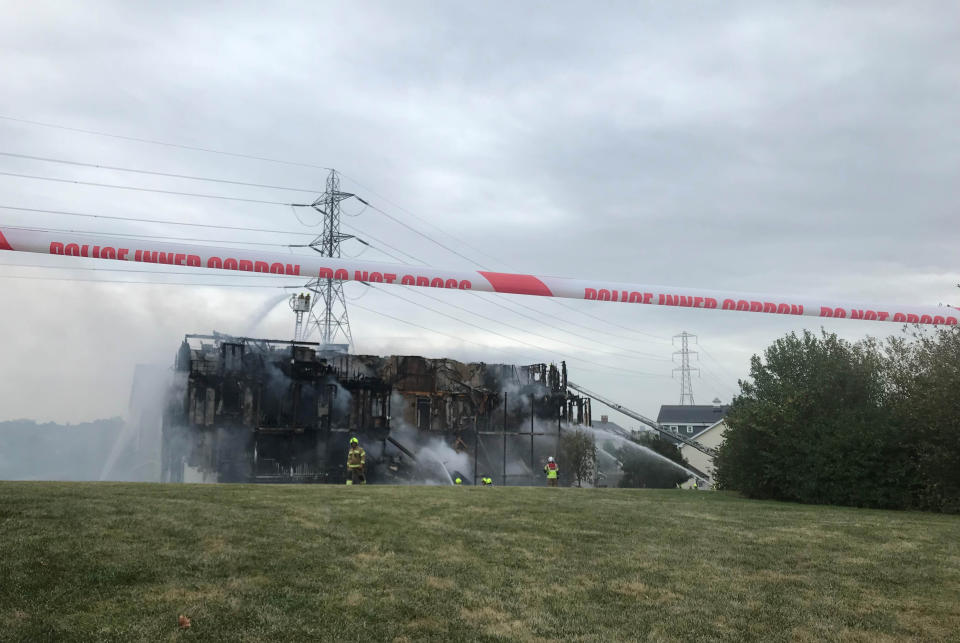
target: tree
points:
(646, 470)
(868, 424)
(579, 454)
(924, 382)
(814, 425)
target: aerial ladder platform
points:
(642, 418)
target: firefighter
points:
(457, 480)
(487, 481)
(695, 484)
(552, 470)
(356, 463)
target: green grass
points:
(121, 561)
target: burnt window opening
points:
(423, 413)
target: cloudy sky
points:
(799, 148)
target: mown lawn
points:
(120, 562)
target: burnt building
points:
(253, 410)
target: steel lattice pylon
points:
(329, 318)
(686, 382)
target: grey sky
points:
(800, 148)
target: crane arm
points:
(642, 418)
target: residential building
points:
(711, 437)
(688, 420)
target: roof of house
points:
(702, 432)
(691, 413)
(612, 427)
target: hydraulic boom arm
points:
(641, 418)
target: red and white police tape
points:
(83, 245)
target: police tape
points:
(316, 266)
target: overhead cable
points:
(163, 143)
(115, 168)
(151, 283)
(231, 274)
(514, 339)
(162, 221)
(523, 330)
(154, 190)
(150, 236)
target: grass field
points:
(93, 561)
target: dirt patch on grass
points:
(451, 554)
(353, 599)
(494, 622)
(214, 545)
(17, 615)
(373, 556)
(426, 625)
(438, 583)
(646, 593)
(771, 576)
(247, 582)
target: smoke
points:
(437, 462)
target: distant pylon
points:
(330, 319)
(686, 382)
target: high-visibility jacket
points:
(486, 481)
(356, 458)
(552, 470)
(457, 480)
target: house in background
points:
(690, 420)
(700, 462)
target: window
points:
(423, 413)
(689, 429)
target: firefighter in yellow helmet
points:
(356, 463)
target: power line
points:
(514, 339)
(202, 225)
(384, 243)
(554, 320)
(522, 330)
(477, 263)
(421, 219)
(301, 164)
(606, 321)
(163, 143)
(161, 221)
(195, 273)
(149, 236)
(717, 362)
(154, 190)
(155, 173)
(150, 283)
(415, 231)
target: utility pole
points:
(686, 383)
(331, 318)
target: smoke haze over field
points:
(769, 147)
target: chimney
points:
(603, 419)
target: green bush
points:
(823, 420)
